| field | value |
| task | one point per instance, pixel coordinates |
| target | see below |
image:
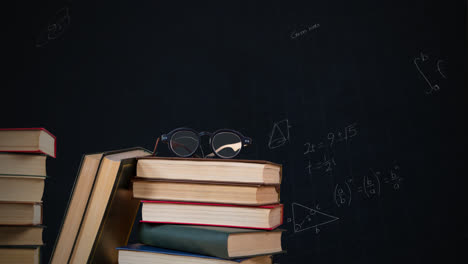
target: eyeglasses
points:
(184, 142)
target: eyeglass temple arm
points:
(164, 137)
(155, 147)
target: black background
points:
(105, 75)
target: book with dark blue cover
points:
(150, 249)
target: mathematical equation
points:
(369, 186)
(327, 164)
(326, 161)
(423, 60)
(333, 138)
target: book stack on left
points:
(23, 154)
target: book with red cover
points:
(28, 140)
(267, 217)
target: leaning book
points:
(101, 210)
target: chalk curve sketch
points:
(56, 27)
(371, 184)
(305, 218)
(422, 59)
(279, 134)
(343, 194)
(440, 68)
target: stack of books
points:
(23, 154)
(206, 211)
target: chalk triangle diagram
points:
(306, 218)
(277, 137)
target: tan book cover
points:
(101, 210)
(229, 171)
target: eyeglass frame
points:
(166, 138)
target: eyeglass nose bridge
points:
(204, 133)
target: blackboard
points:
(363, 102)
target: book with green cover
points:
(221, 242)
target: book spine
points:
(183, 238)
(119, 216)
(62, 236)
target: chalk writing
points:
(327, 163)
(309, 148)
(369, 186)
(440, 68)
(299, 33)
(55, 28)
(394, 179)
(279, 135)
(333, 138)
(322, 151)
(343, 195)
(424, 59)
(349, 132)
(305, 218)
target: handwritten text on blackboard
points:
(299, 33)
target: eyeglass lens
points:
(184, 143)
(226, 144)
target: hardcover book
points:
(32, 140)
(209, 170)
(257, 217)
(19, 188)
(22, 164)
(141, 254)
(101, 210)
(193, 191)
(20, 213)
(20, 255)
(21, 235)
(221, 242)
